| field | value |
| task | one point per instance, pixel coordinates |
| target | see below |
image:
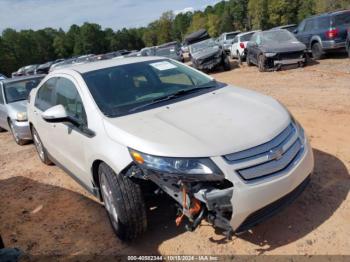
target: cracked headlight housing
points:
(177, 166)
(21, 116)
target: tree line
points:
(19, 48)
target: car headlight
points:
(22, 116)
(181, 166)
(270, 54)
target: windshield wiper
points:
(176, 95)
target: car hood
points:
(207, 52)
(276, 47)
(213, 124)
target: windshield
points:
(279, 36)
(19, 90)
(203, 45)
(118, 90)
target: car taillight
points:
(242, 45)
(332, 33)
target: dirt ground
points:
(43, 211)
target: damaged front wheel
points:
(123, 202)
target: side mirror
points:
(58, 114)
(295, 31)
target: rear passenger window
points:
(44, 97)
(67, 95)
(323, 23)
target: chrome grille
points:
(271, 158)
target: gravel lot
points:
(43, 211)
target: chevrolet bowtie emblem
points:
(275, 154)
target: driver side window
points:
(67, 95)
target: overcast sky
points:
(37, 14)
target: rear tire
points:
(124, 203)
(15, 136)
(43, 155)
(317, 52)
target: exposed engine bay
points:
(197, 198)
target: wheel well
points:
(313, 42)
(94, 170)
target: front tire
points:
(249, 63)
(226, 63)
(262, 63)
(43, 155)
(15, 136)
(317, 52)
(124, 203)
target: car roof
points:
(97, 65)
(329, 14)
(249, 32)
(20, 78)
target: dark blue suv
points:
(324, 33)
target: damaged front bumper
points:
(208, 63)
(229, 202)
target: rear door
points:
(305, 31)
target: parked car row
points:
(142, 126)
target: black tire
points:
(39, 146)
(317, 52)
(348, 50)
(124, 203)
(15, 136)
(249, 63)
(240, 60)
(2, 130)
(226, 63)
(262, 63)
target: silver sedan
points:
(13, 106)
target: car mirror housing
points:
(58, 114)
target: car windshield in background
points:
(203, 45)
(165, 51)
(247, 37)
(126, 88)
(280, 36)
(19, 90)
(342, 19)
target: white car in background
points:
(224, 154)
(239, 45)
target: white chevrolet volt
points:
(224, 154)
